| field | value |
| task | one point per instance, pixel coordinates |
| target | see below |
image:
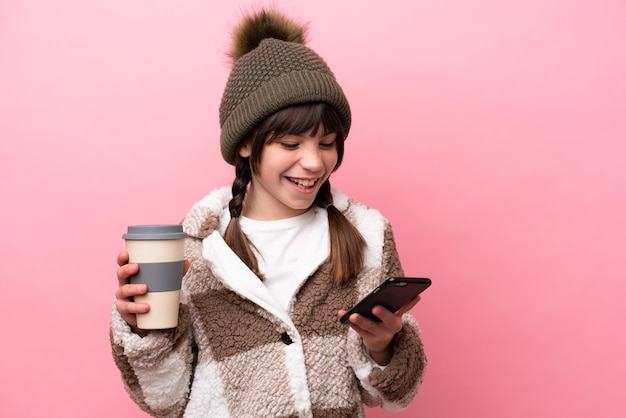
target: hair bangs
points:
(302, 118)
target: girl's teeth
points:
(303, 183)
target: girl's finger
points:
(124, 273)
(129, 290)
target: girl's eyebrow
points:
(301, 135)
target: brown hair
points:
(346, 243)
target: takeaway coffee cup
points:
(159, 252)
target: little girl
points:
(273, 261)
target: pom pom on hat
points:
(272, 69)
(265, 24)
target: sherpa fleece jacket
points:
(235, 355)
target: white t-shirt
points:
(289, 250)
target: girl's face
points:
(291, 171)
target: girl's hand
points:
(377, 336)
(126, 292)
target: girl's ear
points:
(245, 150)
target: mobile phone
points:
(393, 293)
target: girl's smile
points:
(304, 184)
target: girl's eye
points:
(289, 145)
(328, 145)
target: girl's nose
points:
(311, 158)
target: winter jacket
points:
(235, 355)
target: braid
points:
(234, 235)
(243, 176)
(346, 242)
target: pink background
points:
(491, 133)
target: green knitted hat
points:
(272, 69)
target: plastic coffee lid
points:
(148, 232)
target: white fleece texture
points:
(207, 393)
(297, 375)
(162, 386)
